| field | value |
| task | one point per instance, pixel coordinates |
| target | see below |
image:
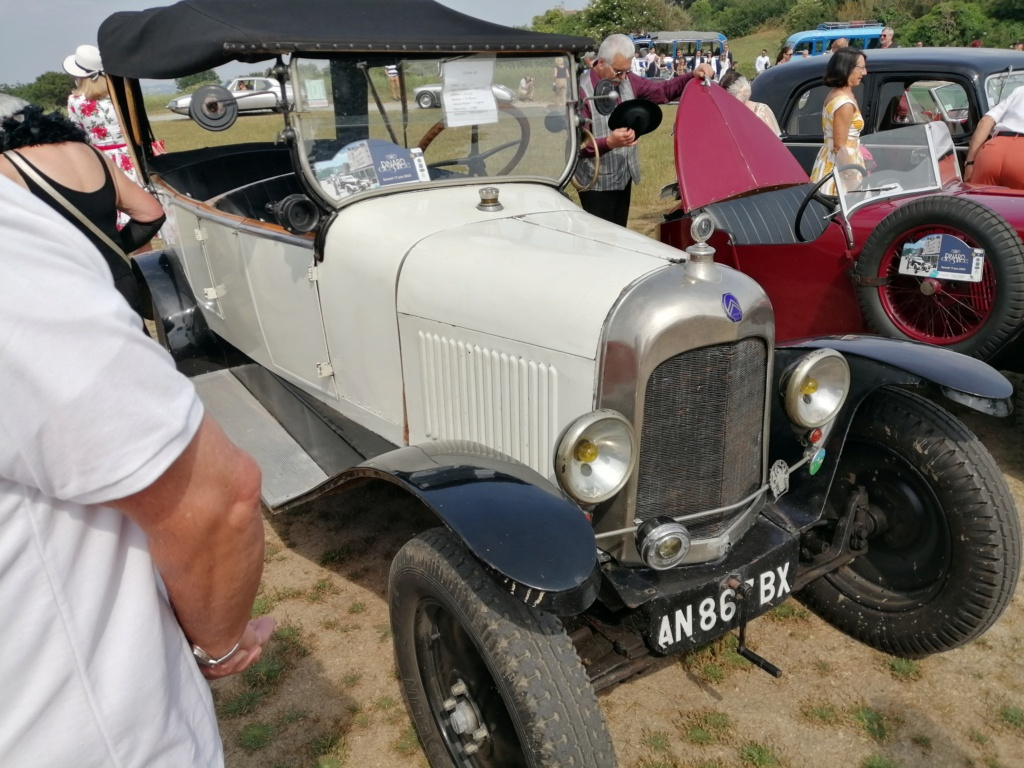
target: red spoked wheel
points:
(942, 312)
(973, 318)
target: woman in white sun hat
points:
(90, 107)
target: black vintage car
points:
(903, 86)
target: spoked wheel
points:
(973, 318)
(475, 161)
(943, 538)
(489, 682)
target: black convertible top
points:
(194, 35)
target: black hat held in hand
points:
(639, 114)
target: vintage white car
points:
(429, 96)
(252, 94)
(621, 461)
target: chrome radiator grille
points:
(701, 441)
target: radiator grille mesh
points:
(701, 441)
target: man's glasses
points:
(620, 72)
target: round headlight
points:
(595, 456)
(816, 388)
(662, 542)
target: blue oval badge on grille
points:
(732, 307)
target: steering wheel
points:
(475, 160)
(815, 193)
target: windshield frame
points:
(935, 141)
(540, 113)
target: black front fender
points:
(966, 380)
(533, 540)
(875, 362)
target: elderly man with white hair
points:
(619, 166)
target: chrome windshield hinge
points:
(199, 234)
(314, 274)
(323, 370)
(215, 292)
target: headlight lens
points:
(595, 456)
(816, 388)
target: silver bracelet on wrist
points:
(204, 659)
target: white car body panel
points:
(256, 293)
(534, 266)
(513, 397)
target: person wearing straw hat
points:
(90, 107)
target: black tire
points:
(972, 318)
(945, 558)
(523, 679)
(425, 100)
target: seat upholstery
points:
(769, 218)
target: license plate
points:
(699, 617)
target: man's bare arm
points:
(205, 530)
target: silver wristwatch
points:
(205, 660)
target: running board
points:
(298, 462)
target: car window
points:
(805, 118)
(998, 87)
(912, 102)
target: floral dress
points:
(98, 119)
(826, 159)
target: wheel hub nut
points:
(930, 286)
(459, 689)
(463, 719)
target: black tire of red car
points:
(521, 678)
(972, 318)
(945, 554)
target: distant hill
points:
(150, 87)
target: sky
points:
(36, 35)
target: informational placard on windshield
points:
(370, 164)
(466, 92)
(943, 257)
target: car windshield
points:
(999, 87)
(911, 160)
(366, 125)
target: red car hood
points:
(723, 150)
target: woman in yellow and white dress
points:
(841, 120)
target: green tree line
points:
(997, 23)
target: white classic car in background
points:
(429, 96)
(252, 94)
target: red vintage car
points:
(904, 247)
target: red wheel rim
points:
(953, 313)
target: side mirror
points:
(213, 108)
(555, 122)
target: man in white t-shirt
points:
(998, 160)
(762, 62)
(131, 539)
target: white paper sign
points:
(466, 92)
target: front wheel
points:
(488, 681)
(943, 537)
(425, 100)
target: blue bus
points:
(685, 43)
(860, 34)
